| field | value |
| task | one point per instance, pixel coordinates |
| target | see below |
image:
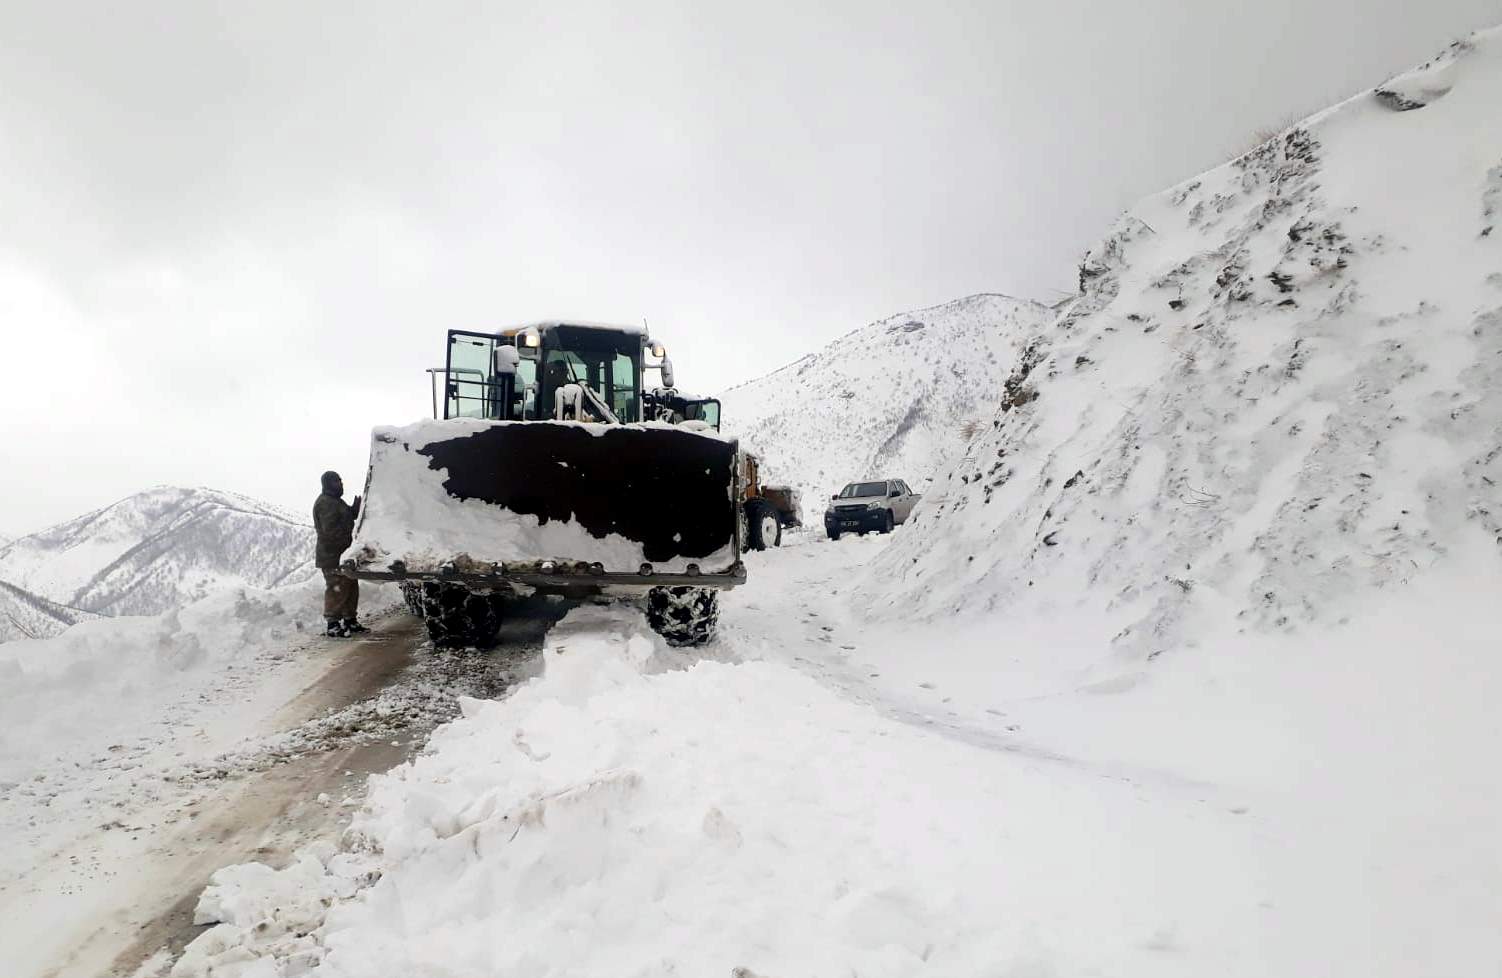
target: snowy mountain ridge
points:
(159, 549)
(1279, 392)
(26, 615)
(898, 398)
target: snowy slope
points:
(896, 399)
(25, 615)
(1279, 394)
(160, 549)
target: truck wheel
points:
(763, 526)
(457, 617)
(684, 615)
(888, 523)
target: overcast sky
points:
(232, 235)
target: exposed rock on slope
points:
(160, 549)
(25, 615)
(899, 398)
(1280, 388)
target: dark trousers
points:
(341, 595)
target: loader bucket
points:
(498, 500)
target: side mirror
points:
(894, 493)
(835, 496)
(667, 371)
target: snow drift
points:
(72, 695)
(1279, 393)
(897, 399)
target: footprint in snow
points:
(925, 685)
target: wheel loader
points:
(551, 466)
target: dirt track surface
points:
(126, 893)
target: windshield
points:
(603, 359)
(858, 489)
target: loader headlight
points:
(547, 567)
(659, 351)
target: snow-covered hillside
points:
(1279, 394)
(160, 549)
(899, 398)
(26, 615)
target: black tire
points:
(684, 616)
(763, 525)
(457, 617)
(834, 534)
(888, 523)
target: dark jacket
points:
(334, 520)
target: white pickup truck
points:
(864, 506)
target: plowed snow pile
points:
(624, 815)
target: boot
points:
(336, 629)
(352, 626)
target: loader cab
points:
(515, 375)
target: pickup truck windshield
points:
(857, 489)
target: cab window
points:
(606, 361)
(705, 411)
(469, 370)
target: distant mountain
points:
(159, 549)
(899, 398)
(26, 615)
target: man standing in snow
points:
(334, 521)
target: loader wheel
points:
(458, 617)
(763, 526)
(412, 596)
(684, 615)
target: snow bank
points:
(1278, 395)
(101, 680)
(618, 818)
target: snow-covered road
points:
(813, 796)
(261, 756)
